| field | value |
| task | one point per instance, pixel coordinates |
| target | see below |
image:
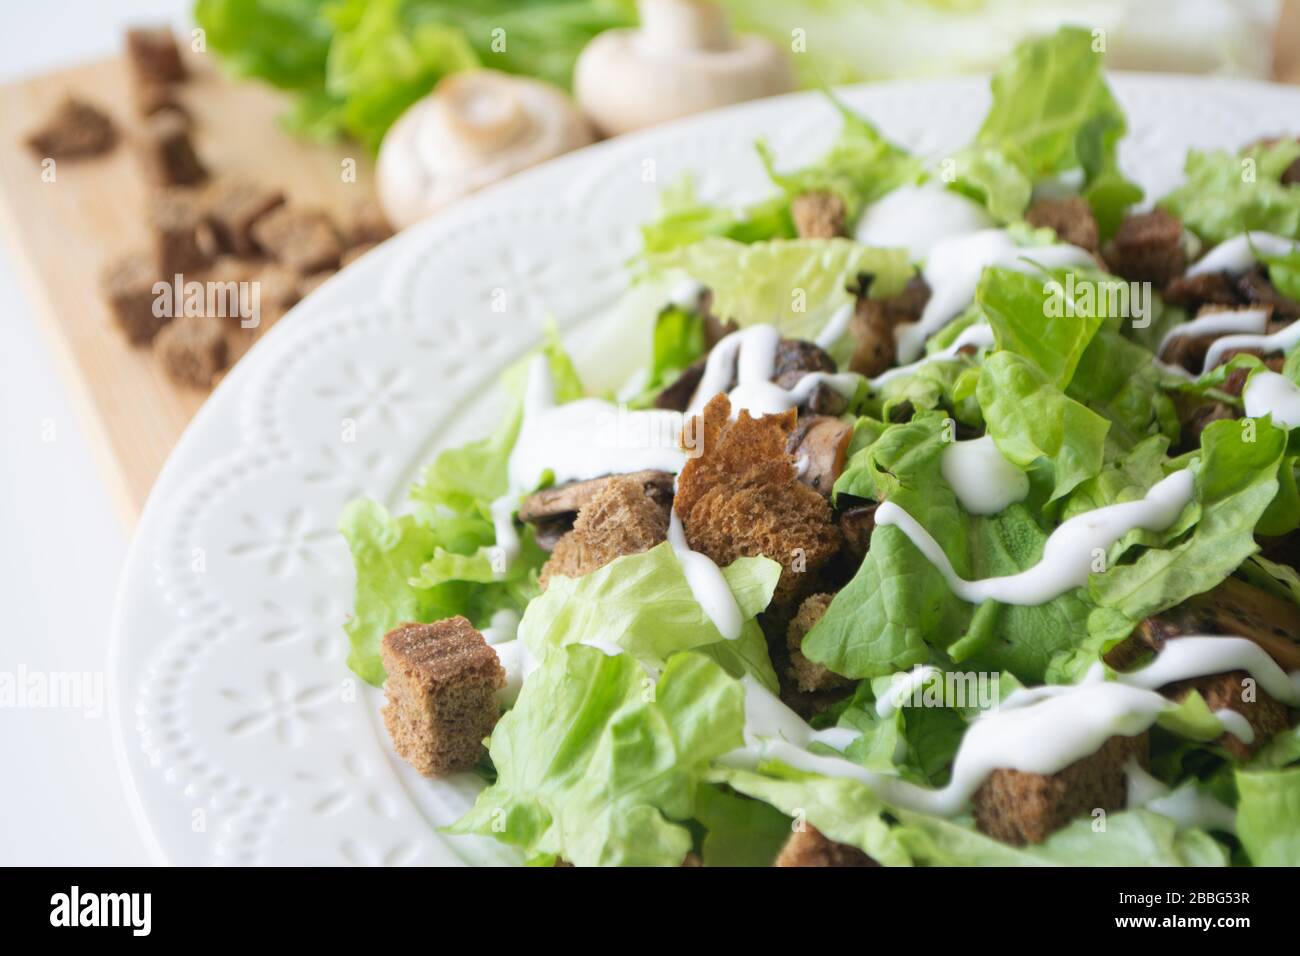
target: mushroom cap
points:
(475, 128)
(682, 60)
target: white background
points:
(62, 800)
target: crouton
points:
(1018, 807)
(192, 350)
(442, 684)
(818, 215)
(310, 283)
(1207, 288)
(619, 519)
(742, 497)
(153, 55)
(808, 847)
(807, 676)
(234, 206)
(1148, 247)
(368, 226)
(128, 286)
(353, 253)
(75, 130)
(1070, 218)
(166, 154)
(1266, 715)
(174, 217)
(1254, 288)
(874, 348)
(303, 239)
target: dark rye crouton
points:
(303, 239)
(741, 497)
(807, 676)
(166, 154)
(1070, 218)
(1148, 247)
(233, 207)
(1018, 807)
(619, 519)
(441, 688)
(818, 215)
(76, 129)
(128, 287)
(153, 55)
(808, 847)
(174, 218)
(192, 349)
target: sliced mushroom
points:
(820, 445)
(1234, 608)
(566, 501)
(856, 524)
(677, 396)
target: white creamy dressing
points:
(983, 481)
(706, 581)
(1235, 724)
(917, 218)
(1218, 323)
(1037, 730)
(953, 271)
(749, 356)
(1236, 255)
(768, 718)
(1268, 393)
(1068, 554)
(979, 335)
(1280, 341)
(685, 294)
(835, 326)
(518, 662)
(1187, 805)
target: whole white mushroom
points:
(682, 59)
(475, 128)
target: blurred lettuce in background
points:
(355, 65)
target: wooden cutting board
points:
(60, 235)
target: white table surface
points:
(61, 547)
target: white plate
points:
(246, 738)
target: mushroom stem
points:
(684, 25)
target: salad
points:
(953, 521)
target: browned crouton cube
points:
(303, 239)
(818, 215)
(309, 284)
(233, 207)
(174, 217)
(1070, 218)
(128, 286)
(1018, 807)
(741, 497)
(1148, 247)
(1266, 715)
(810, 677)
(808, 847)
(76, 129)
(355, 252)
(369, 226)
(441, 688)
(619, 519)
(192, 350)
(166, 153)
(153, 55)
(874, 348)
(153, 98)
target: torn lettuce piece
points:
(435, 562)
(643, 604)
(860, 167)
(1053, 112)
(1267, 811)
(597, 762)
(738, 831)
(1225, 194)
(684, 219)
(795, 285)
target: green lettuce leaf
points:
(987, 175)
(1225, 194)
(596, 761)
(793, 284)
(644, 604)
(739, 831)
(1267, 815)
(684, 219)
